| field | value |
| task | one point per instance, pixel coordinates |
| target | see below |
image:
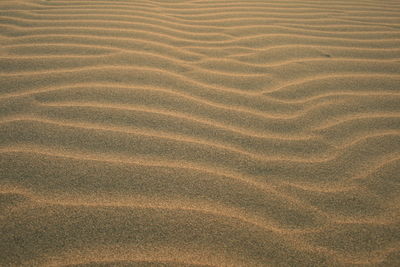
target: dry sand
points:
(199, 133)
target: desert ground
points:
(199, 133)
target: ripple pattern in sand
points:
(199, 133)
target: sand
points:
(199, 133)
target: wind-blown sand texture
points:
(199, 133)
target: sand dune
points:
(199, 133)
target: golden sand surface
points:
(199, 133)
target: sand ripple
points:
(199, 133)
